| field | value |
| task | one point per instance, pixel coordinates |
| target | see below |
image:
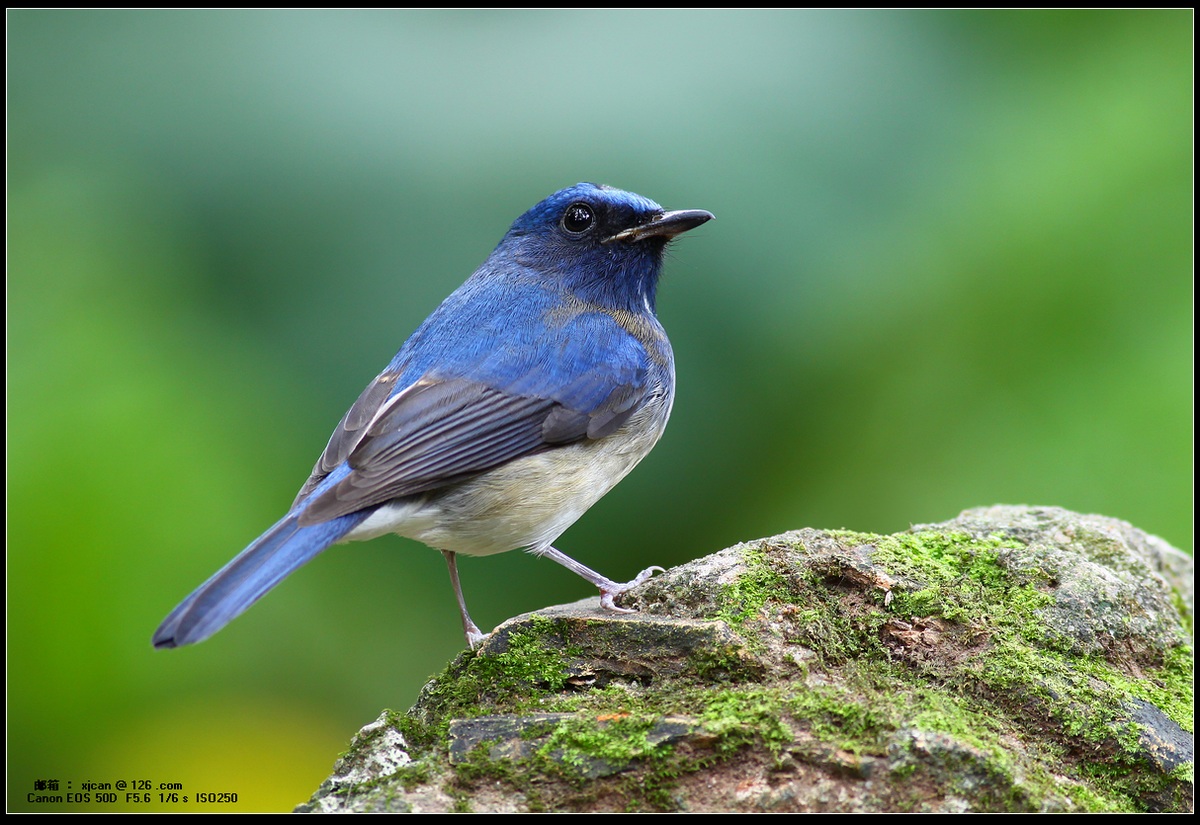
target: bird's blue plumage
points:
(522, 399)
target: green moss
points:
(479, 764)
(745, 598)
(413, 775)
(578, 743)
(959, 578)
(610, 734)
(528, 662)
(1185, 614)
(872, 690)
(1170, 688)
(742, 717)
(518, 678)
(574, 752)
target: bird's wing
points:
(436, 432)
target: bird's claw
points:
(609, 593)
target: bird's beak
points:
(665, 225)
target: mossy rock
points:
(1013, 659)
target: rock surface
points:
(1013, 659)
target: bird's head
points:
(602, 244)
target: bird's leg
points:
(609, 589)
(473, 634)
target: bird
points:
(516, 405)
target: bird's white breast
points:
(526, 503)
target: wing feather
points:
(413, 429)
(438, 432)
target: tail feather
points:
(273, 556)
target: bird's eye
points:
(578, 218)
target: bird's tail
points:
(274, 555)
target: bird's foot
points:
(474, 636)
(610, 590)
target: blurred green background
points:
(951, 266)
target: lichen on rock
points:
(1012, 659)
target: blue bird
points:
(525, 397)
